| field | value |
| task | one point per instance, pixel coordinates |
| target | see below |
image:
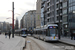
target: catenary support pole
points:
(12, 19)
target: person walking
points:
(5, 35)
(71, 34)
(74, 34)
(9, 34)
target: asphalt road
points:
(36, 44)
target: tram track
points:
(55, 45)
(63, 45)
(32, 45)
(35, 44)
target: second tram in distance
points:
(21, 32)
(47, 33)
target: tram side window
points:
(48, 33)
(37, 32)
(56, 31)
(40, 32)
(34, 32)
(45, 31)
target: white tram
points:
(47, 33)
(22, 32)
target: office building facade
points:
(28, 20)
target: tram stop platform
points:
(16, 43)
(67, 40)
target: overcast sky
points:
(21, 6)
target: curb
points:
(24, 46)
(66, 43)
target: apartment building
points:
(28, 20)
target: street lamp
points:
(12, 19)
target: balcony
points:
(57, 8)
(61, 7)
(61, 0)
(43, 1)
(57, 14)
(48, 17)
(58, 21)
(48, 6)
(51, 5)
(48, 12)
(57, 2)
(48, 1)
(60, 13)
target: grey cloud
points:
(30, 4)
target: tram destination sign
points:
(52, 27)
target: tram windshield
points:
(23, 32)
(52, 32)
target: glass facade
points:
(71, 18)
(65, 18)
(65, 11)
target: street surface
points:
(35, 44)
(16, 43)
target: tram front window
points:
(23, 32)
(52, 32)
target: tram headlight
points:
(51, 37)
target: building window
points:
(48, 4)
(65, 4)
(57, 0)
(73, 0)
(61, 4)
(70, 9)
(65, 19)
(73, 3)
(60, 10)
(73, 7)
(70, 1)
(48, 9)
(60, 17)
(57, 12)
(57, 18)
(65, 11)
(57, 5)
(48, 15)
(48, 20)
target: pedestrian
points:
(74, 34)
(65, 33)
(0, 33)
(5, 35)
(71, 34)
(9, 34)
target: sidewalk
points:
(16, 43)
(67, 41)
